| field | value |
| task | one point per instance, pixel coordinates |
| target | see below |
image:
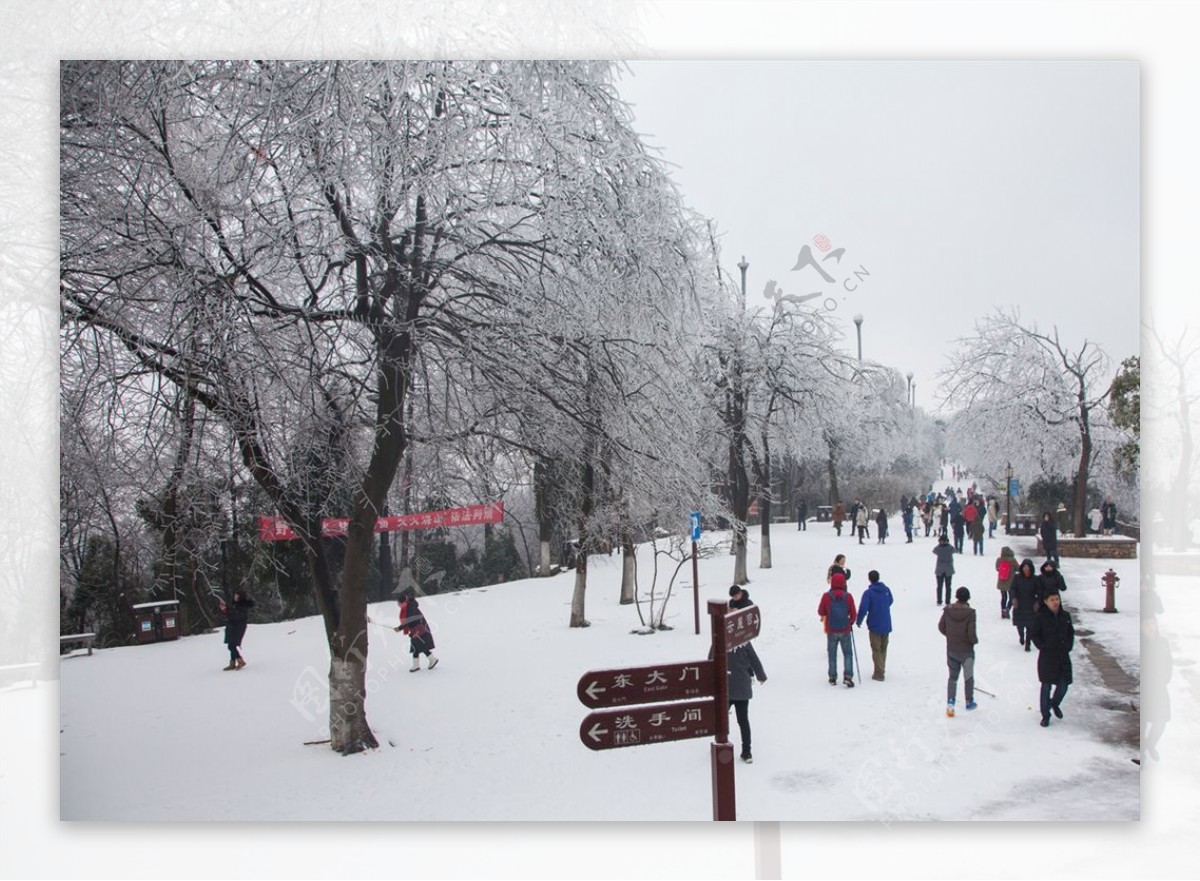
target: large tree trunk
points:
(764, 505)
(1081, 475)
(578, 618)
(545, 520)
(628, 560)
(834, 494)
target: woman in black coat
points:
(1054, 635)
(1024, 592)
(1050, 581)
(236, 618)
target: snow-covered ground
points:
(160, 732)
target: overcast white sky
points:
(958, 185)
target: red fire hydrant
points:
(1110, 580)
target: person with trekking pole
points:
(958, 626)
(837, 612)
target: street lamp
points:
(858, 324)
(744, 266)
(914, 394)
(910, 387)
(1008, 498)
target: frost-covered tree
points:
(284, 241)
(1028, 397)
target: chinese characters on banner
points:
(277, 529)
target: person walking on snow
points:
(976, 531)
(881, 525)
(1049, 581)
(1006, 570)
(837, 613)
(802, 517)
(876, 609)
(838, 567)
(1054, 635)
(1049, 532)
(741, 664)
(416, 628)
(860, 522)
(958, 626)
(944, 570)
(1023, 592)
(907, 518)
(993, 515)
(237, 616)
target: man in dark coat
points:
(1054, 635)
(958, 626)
(416, 628)
(802, 516)
(1049, 531)
(881, 525)
(236, 617)
(839, 514)
(1023, 591)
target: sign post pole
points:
(695, 517)
(724, 803)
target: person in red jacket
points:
(416, 628)
(838, 613)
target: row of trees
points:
(324, 289)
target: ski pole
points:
(984, 691)
(854, 646)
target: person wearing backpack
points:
(1006, 568)
(876, 610)
(837, 612)
(958, 626)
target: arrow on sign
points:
(595, 731)
(647, 685)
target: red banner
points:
(277, 529)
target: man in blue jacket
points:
(876, 609)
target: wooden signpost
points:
(666, 702)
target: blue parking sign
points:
(695, 518)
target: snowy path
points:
(161, 732)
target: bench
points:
(85, 639)
(1111, 547)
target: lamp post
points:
(858, 325)
(743, 266)
(914, 395)
(910, 388)
(1008, 498)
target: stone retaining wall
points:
(1114, 548)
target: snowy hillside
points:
(161, 732)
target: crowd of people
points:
(1029, 596)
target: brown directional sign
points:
(741, 626)
(637, 726)
(647, 685)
